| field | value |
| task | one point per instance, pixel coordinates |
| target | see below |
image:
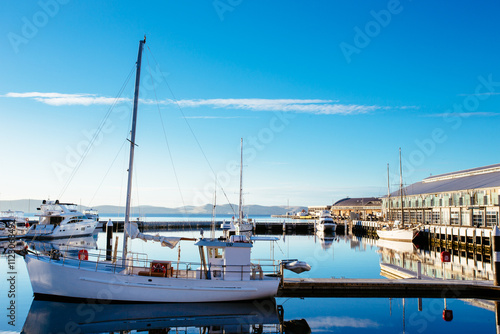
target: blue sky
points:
(322, 93)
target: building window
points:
(454, 218)
(491, 218)
(440, 202)
(435, 217)
(428, 217)
(450, 201)
(477, 218)
(485, 200)
(461, 201)
(432, 201)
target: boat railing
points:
(139, 264)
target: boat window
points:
(215, 253)
(56, 220)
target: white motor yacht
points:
(326, 222)
(60, 220)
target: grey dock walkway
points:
(387, 288)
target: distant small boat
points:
(94, 215)
(241, 224)
(60, 220)
(302, 213)
(228, 225)
(12, 224)
(326, 222)
(398, 231)
(296, 266)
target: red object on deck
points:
(445, 256)
(83, 254)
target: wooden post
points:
(109, 240)
(496, 254)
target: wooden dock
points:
(387, 288)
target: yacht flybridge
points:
(60, 220)
(225, 271)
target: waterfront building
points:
(464, 198)
(315, 211)
(363, 208)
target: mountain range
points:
(30, 206)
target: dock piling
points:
(496, 254)
(109, 240)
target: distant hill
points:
(29, 206)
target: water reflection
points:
(260, 316)
(64, 245)
(464, 265)
(326, 239)
(11, 246)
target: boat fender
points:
(83, 255)
(259, 270)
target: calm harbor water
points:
(330, 256)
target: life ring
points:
(83, 255)
(159, 268)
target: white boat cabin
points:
(226, 260)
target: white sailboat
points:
(60, 220)
(242, 224)
(225, 271)
(398, 231)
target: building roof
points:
(475, 178)
(362, 201)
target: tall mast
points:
(388, 195)
(240, 209)
(401, 188)
(212, 232)
(132, 148)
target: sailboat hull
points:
(398, 234)
(65, 280)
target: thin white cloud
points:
(58, 99)
(466, 114)
(310, 106)
(214, 117)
